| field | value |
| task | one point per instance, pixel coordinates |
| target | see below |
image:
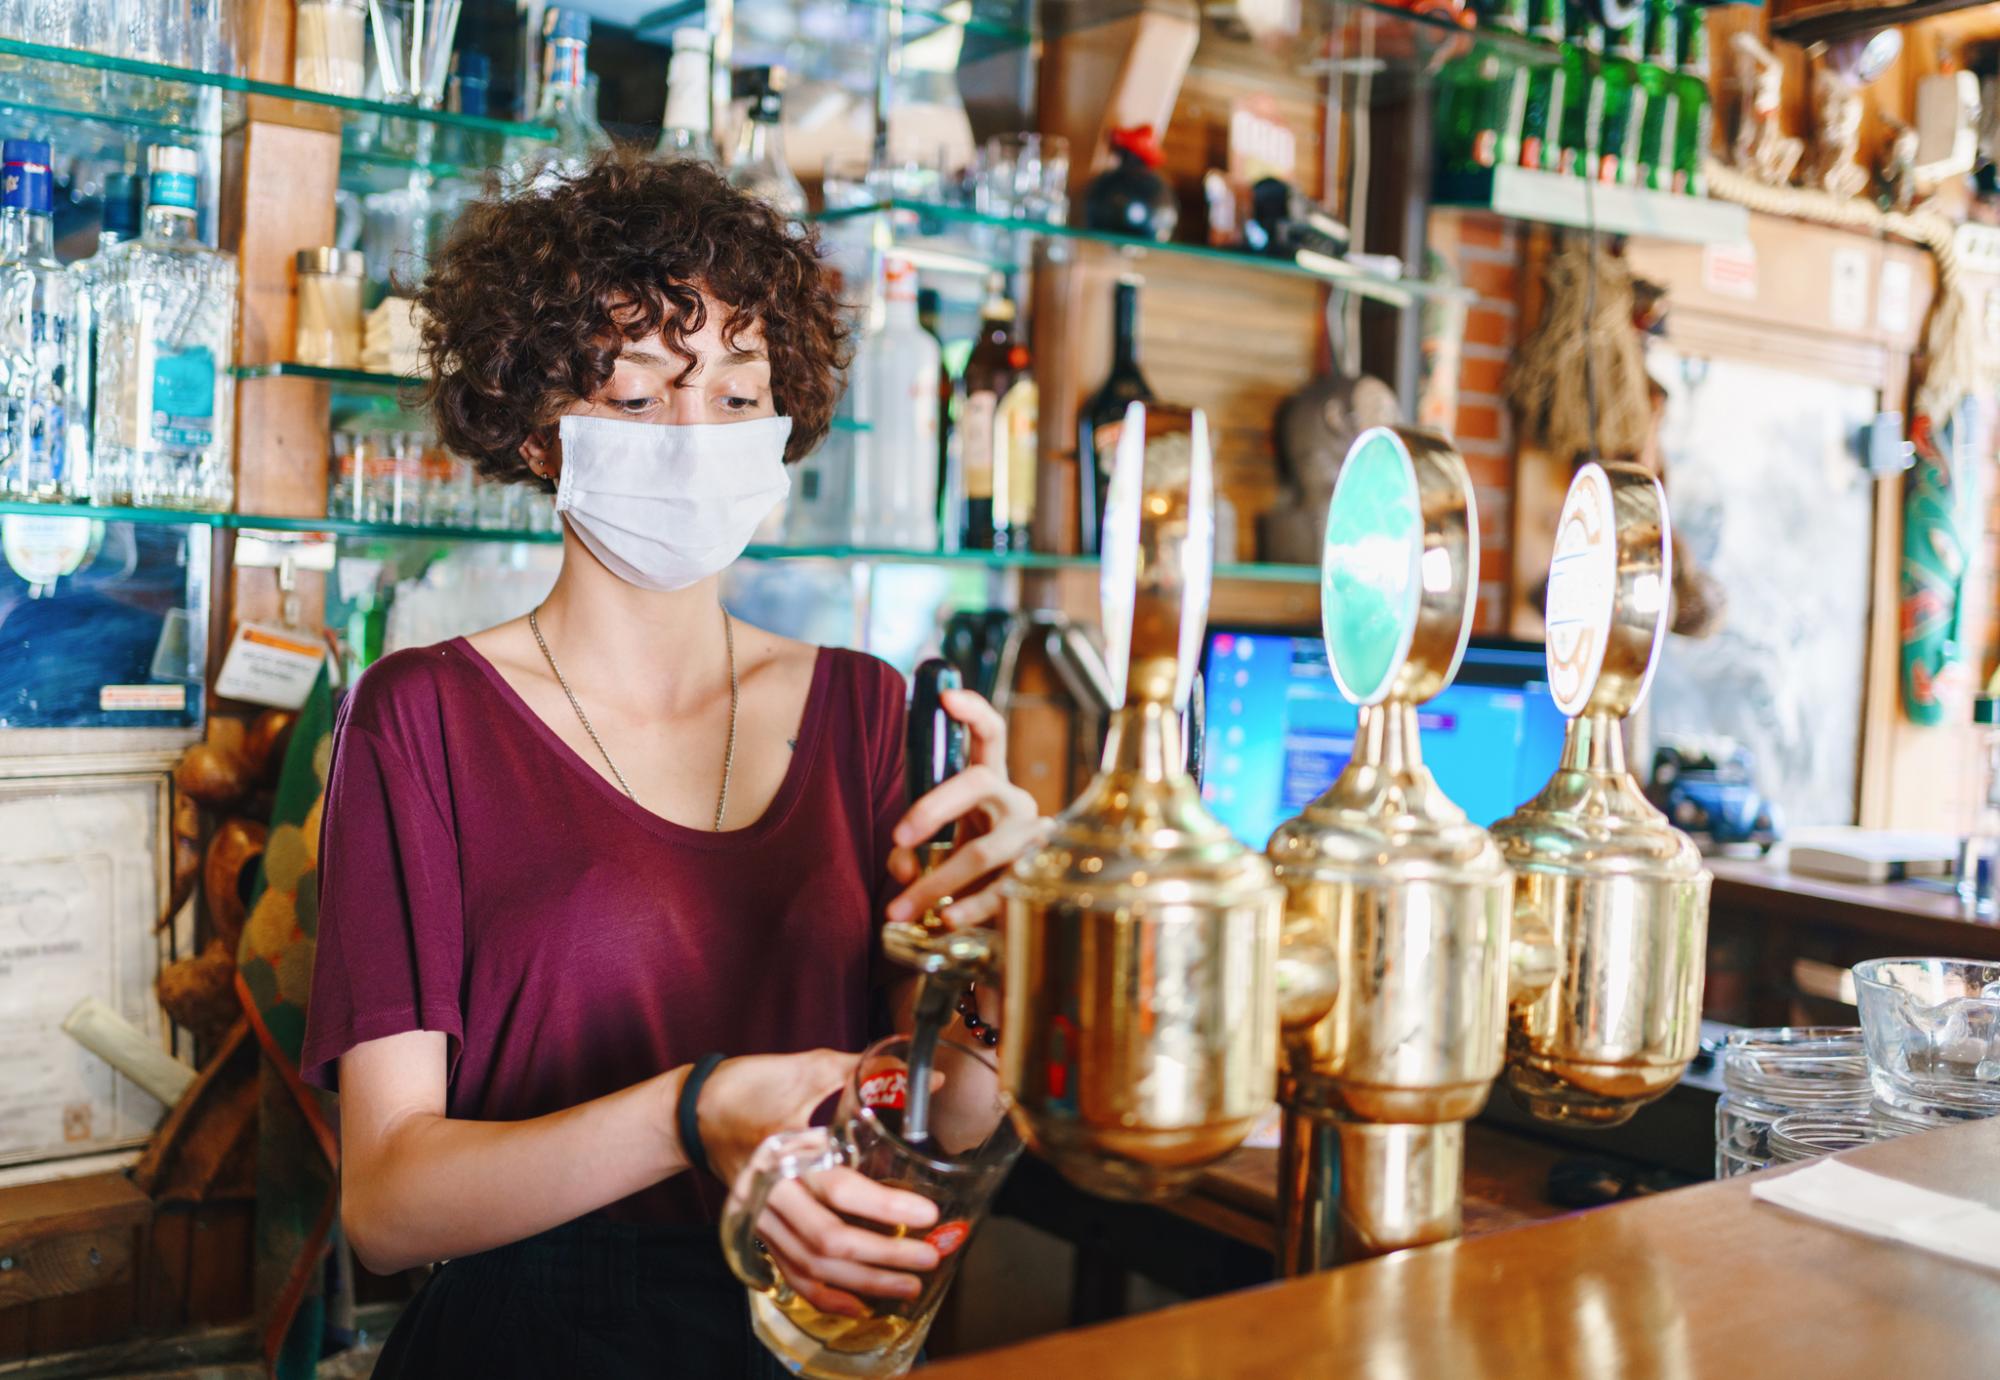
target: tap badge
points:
(1583, 582)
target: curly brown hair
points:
(532, 296)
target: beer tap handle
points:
(935, 747)
(1194, 726)
(1157, 553)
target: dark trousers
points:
(607, 1300)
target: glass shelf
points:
(68, 86)
(1558, 199)
(376, 531)
(979, 239)
(836, 40)
(346, 378)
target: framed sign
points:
(83, 873)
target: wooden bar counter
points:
(1702, 1281)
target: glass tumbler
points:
(1933, 1032)
(1769, 1072)
(958, 1167)
(1810, 1135)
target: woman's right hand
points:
(830, 1262)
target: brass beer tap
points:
(1140, 1034)
(1394, 963)
(1610, 895)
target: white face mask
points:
(666, 506)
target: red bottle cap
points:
(1138, 140)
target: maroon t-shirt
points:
(478, 878)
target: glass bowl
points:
(1932, 1027)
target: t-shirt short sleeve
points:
(391, 917)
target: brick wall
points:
(1484, 252)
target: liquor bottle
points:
(1583, 92)
(1097, 425)
(759, 165)
(39, 348)
(565, 105)
(1622, 117)
(1548, 83)
(165, 331)
(950, 475)
(1663, 101)
(123, 209)
(895, 482)
(1482, 100)
(1691, 136)
(690, 89)
(997, 440)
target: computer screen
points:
(1278, 730)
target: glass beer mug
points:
(959, 1166)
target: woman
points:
(567, 858)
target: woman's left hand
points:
(997, 822)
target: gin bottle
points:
(166, 326)
(39, 348)
(124, 208)
(760, 167)
(537, 164)
(690, 92)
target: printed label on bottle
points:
(976, 444)
(183, 411)
(1015, 436)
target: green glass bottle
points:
(1541, 115)
(1658, 77)
(1691, 137)
(1623, 115)
(1583, 93)
(1480, 99)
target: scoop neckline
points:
(775, 813)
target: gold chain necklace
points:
(728, 753)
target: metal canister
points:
(1611, 893)
(1394, 967)
(1141, 1030)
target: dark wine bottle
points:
(997, 430)
(1098, 424)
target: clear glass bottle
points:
(686, 130)
(1769, 1073)
(123, 216)
(41, 350)
(1979, 846)
(565, 104)
(895, 481)
(165, 399)
(759, 165)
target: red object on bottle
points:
(947, 1237)
(1140, 142)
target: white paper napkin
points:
(1853, 1198)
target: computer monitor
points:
(1278, 730)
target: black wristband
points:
(685, 1118)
